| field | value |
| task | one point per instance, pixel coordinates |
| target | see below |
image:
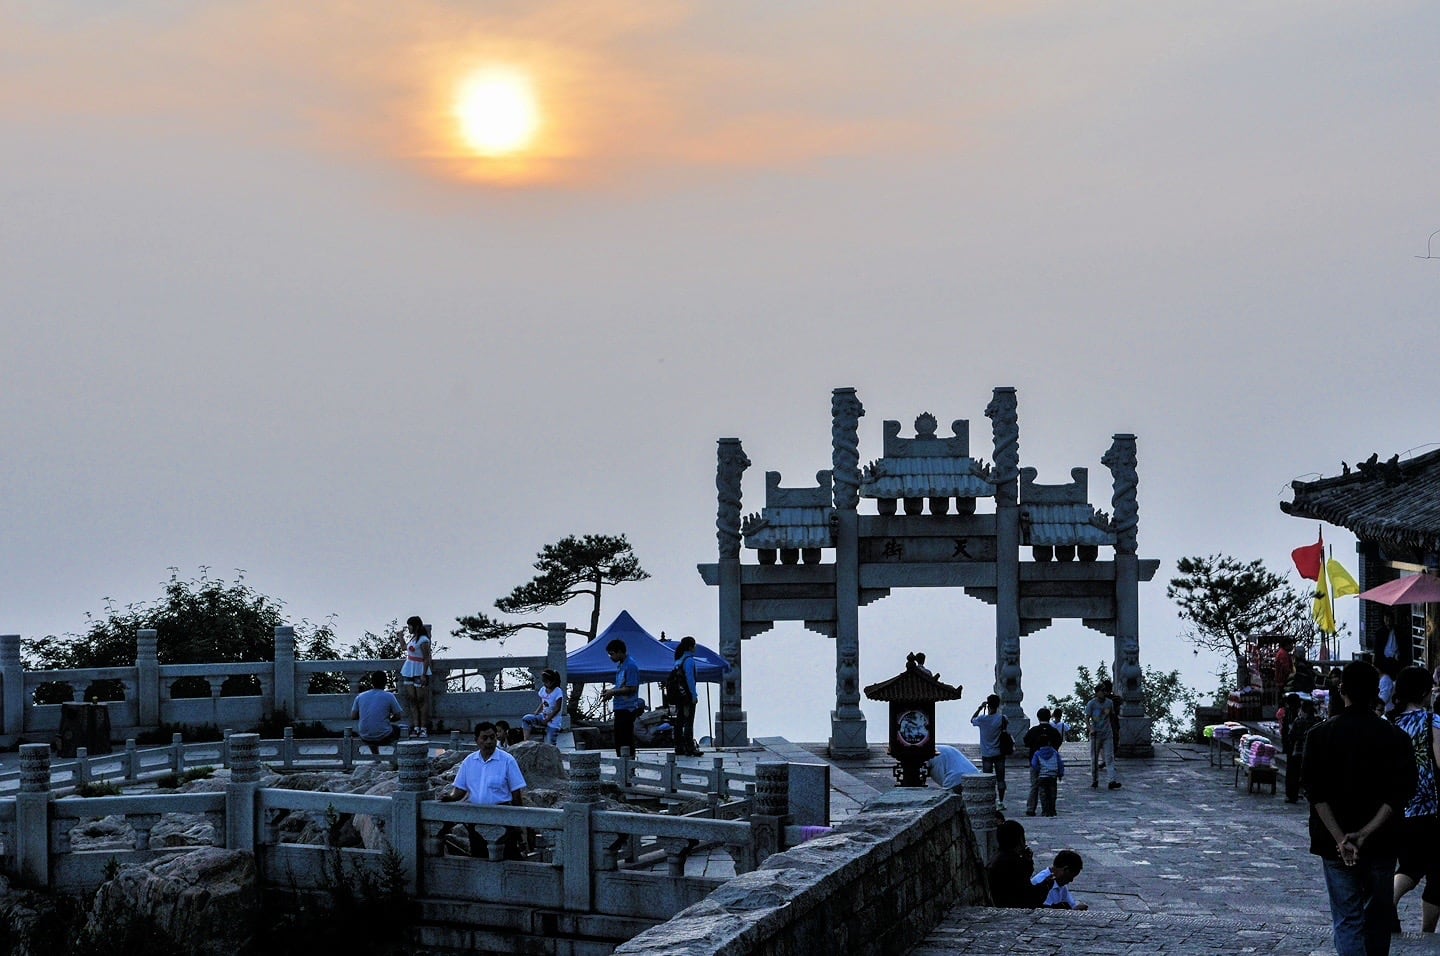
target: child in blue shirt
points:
(1049, 769)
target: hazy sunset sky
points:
(264, 309)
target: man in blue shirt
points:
(991, 723)
(625, 695)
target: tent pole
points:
(709, 715)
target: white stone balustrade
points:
(275, 690)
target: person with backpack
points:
(1043, 734)
(1049, 769)
(680, 692)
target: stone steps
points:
(1009, 932)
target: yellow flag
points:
(1323, 611)
(1341, 583)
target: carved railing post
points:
(978, 791)
(772, 804)
(585, 776)
(413, 757)
(147, 679)
(32, 816)
(285, 672)
(575, 856)
(240, 792)
(12, 689)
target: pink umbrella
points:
(1415, 589)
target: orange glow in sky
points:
(497, 112)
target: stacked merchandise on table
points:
(1257, 751)
(1226, 731)
(1244, 704)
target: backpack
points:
(1007, 742)
(677, 688)
(1048, 762)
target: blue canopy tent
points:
(656, 659)
(590, 664)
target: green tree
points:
(568, 569)
(1227, 602)
(1169, 702)
(199, 621)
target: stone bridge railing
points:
(258, 690)
(730, 788)
(611, 868)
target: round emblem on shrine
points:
(914, 727)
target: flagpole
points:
(1330, 599)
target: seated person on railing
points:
(488, 777)
(548, 714)
(376, 710)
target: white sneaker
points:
(999, 804)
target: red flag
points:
(1308, 559)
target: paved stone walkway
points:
(1180, 860)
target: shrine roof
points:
(1395, 502)
(913, 684)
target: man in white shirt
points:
(488, 777)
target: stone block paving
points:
(1179, 860)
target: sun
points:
(497, 112)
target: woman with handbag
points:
(1420, 848)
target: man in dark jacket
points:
(1359, 774)
(1043, 734)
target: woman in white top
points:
(549, 714)
(415, 677)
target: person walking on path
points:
(1049, 769)
(626, 696)
(415, 676)
(1420, 843)
(685, 709)
(1098, 712)
(1359, 775)
(1293, 741)
(992, 723)
(1043, 734)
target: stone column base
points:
(847, 736)
(732, 732)
(1135, 740)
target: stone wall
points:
(876, 884)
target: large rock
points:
(34, 924)
(540, 763)
(206, 899)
